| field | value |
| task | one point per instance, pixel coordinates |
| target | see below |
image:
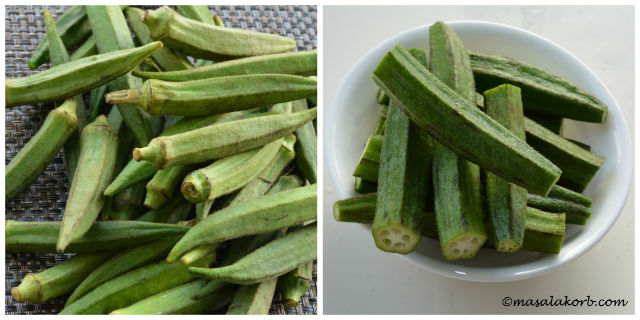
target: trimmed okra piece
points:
(363, 186)
(369, 164)
(559, 192)
(553, 123)
(575, 213)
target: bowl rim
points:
(506, 273)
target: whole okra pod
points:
(306, 145)
(95, 168)
(160, 188)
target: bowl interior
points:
(353, 114)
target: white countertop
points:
(360, 279)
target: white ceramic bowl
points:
(353, 114)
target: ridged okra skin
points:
(460, 125)
(35, 155)
(456, 181)
(302, 63)
(306, 145)
(363, 186)
(75, 77)
(263, 214)
(506, 202)
(196, 12)
(57, 280)
(206, 41)
(269, 261)
(99, 144)
(553, 123)
(541, 91)
(160, 189)
(369, 164)
(215, 95)
(165, 58)
(220, 140)
(575, 212)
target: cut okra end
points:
(508, 246)
(464, 246)
(395, 238)
(195, 187)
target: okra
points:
(269, 261)
(285, 183)
(506, 202)
(575, 213)
(132, 287)
(35, 155)
(95, 168)
(199, 13)
(97, 102)
(121, 263)
(86, 49)
(219, 140)
(169, 213)
(161, 187)
(579, 144)
(206, 41)
(559, 192)
(553, 123)
(229, 174)
(460, 125)
(199, 252)
(382, 120)
(254, 298)
(73, 27)
(112, 33)
(165, 58)
(382, 97)
(363, 186)
(179, 300)
(456, 181)
(578, 165)
(303, 63)
(75, 77)
(541, 91)
(266, 179)
(57, 280)
(203, 209)
(127, 205)
(306, 145)
(295, 283)
(369, 164)
(215, 95)
(259, 215)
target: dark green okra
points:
(206, 41)
(121, 263)
(220, 140)
(215, 95)
(382, 97)
(228, 174)
(541, 91)
(363, 186)
(180, 300)
(132, 287)
(102, 236)
(303, 63)
(575, 213)
(553, 123)
(269, 261)
(506, 202)
(128, 204)
(86, 49)
(382, 121)
(57, 280)
(73, 27)
(369, 164)
(253, 298)
(165, 58)
(95, 168)
(97, 103)
(112, 33)
(306, 145)
(161, 187)
(559, 192)
(35, 155)
(59, 55)
(295, 283)
(456, 181)
(171, 212)
(259, 215)
(75, 77)
(465, 127)
(578, 165)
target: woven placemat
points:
(45, 199)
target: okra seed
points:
(384, 233)
(406, 238)
(386, 242)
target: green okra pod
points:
(559, 192)
(254, 298)
(553, 123)
(306, 145)
(175, 206)
(269, 261)
(199, 252)
(73, 27)
(87, 48)
(160, 188)
(302, 63)
(229, 174)
(121, 263)
(219, 140)
(382, 97)
(74, 77)
(127, 205)
(259, 215)
(132, 287)
(165, 58)
(57, 280)
(426, 99)
(363, 186)
(203, 209)
(382, 121)
(95, 168)
(180, 300)
(215, 95)
(295, 283)
(97, 103)
(112, 33)
(199, 13)
(25, 167)
(102, 236)
(575, 213)
(206, 41)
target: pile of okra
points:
(220, 153)
(469, 151)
